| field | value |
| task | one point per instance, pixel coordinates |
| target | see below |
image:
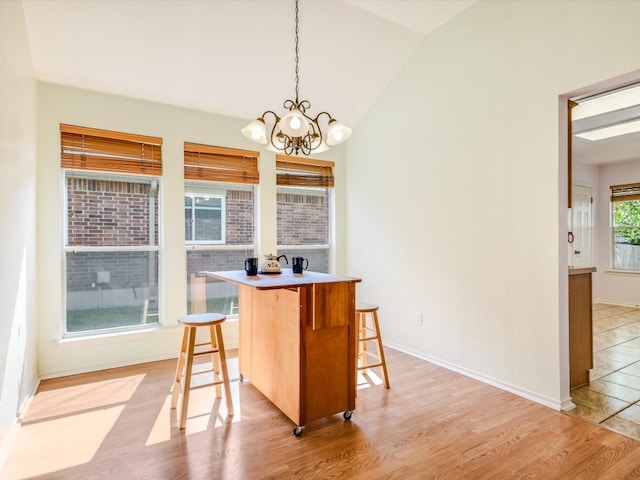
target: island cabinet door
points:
(328, 380)
(269, 348)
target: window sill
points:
(632, 273)
(112, 337)
(120, 337)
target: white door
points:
(582, 226)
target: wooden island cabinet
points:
(297, 341)
(580, 326)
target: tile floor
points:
(612, 399)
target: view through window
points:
(111, 229)
(219, 222)
(625, 216)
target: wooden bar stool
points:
(184, 370)
(369, 331)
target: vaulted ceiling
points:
(236, 57)
(232, 57)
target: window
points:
(625, 216)
(219, 220)
(111, 229)
(303, 207)
(204, 218)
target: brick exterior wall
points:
(128, 270)
(318, 257)
(240, 217)
(219, 259)
(302, 218)
(109, 213)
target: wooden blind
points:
(106, 151)
(218, 164)
(303, 172)
(621, 193)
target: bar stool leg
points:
(178, 380)
(362, 333)
(186, 387)
(380, 350)
(215, 358)
(223, 366)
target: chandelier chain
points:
(297, 55)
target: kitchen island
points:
(297, 341)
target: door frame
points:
(564, 189)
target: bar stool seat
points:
(184, 369)
(369, 331)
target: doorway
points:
(584, 155)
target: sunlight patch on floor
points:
(60, 443)
(368, 379)
(71, 400)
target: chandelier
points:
(297, 131)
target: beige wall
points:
(57, 104)
(18, 375)
(468, 132)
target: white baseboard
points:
(107, 366)
(617, 304)
(565, 404)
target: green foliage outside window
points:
(626, 221)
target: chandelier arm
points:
(314, 135)
(322, 113)
(275, 115)
(306, 144)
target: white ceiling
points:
(615, 149)
(236, 57)
(232, 57)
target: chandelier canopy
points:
(297, 131)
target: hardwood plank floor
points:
(431, 424)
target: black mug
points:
(251, 266)
(298, 264)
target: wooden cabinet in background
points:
(580, 326)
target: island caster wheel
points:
(297, 430)
(347, 414)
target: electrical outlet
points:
(420, 319)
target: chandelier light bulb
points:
(337, 132)
(255, 134)
(256, 131)
(295, 123)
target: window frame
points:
(622, 194)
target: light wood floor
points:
(612, 398)
(432, 423)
